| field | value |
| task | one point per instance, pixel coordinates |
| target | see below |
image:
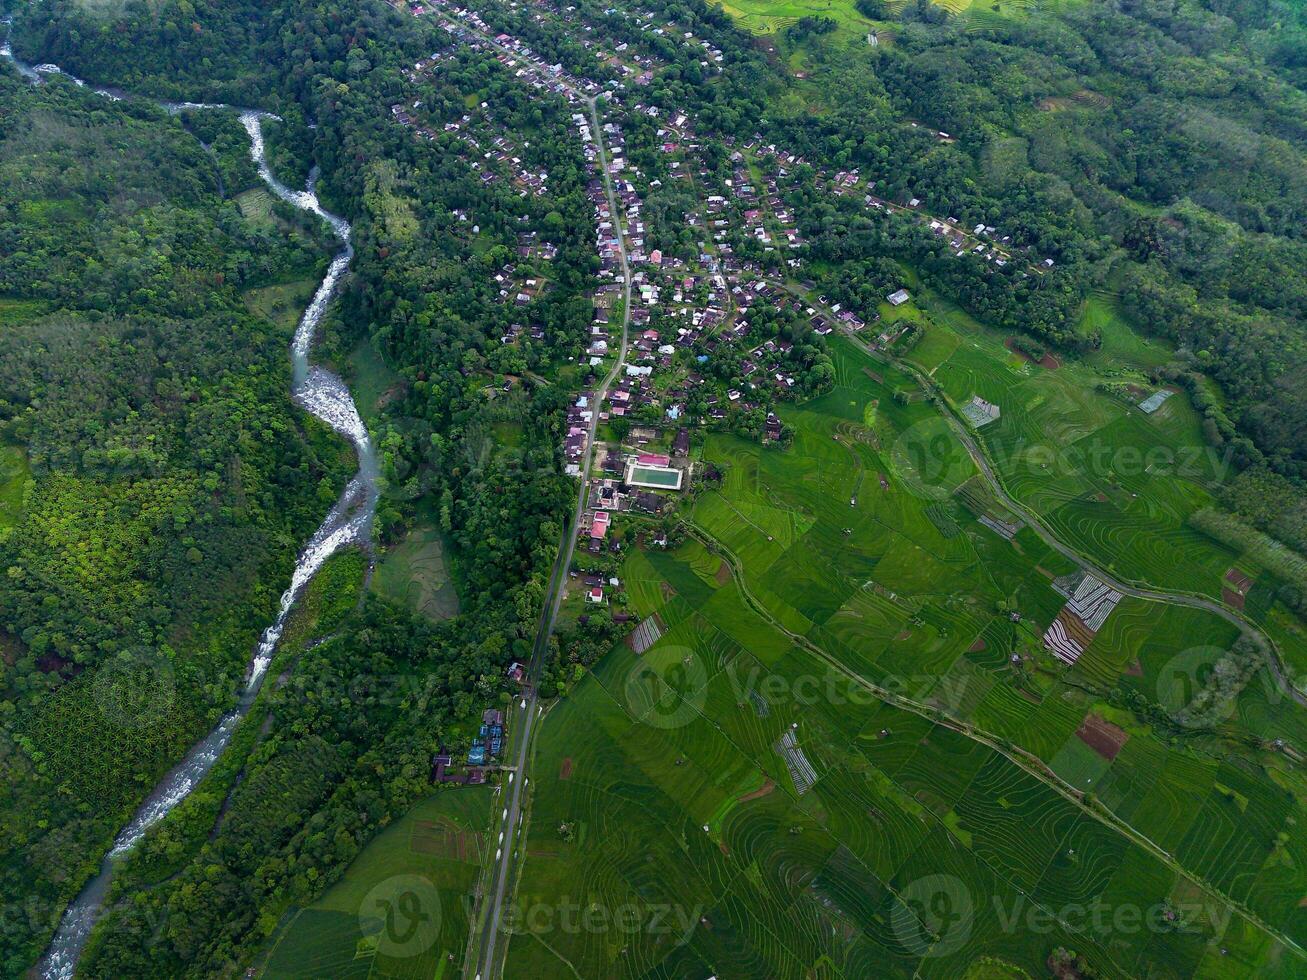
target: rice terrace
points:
(653, 489)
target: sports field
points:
(846, 757)
(401, 909)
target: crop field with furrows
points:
(669, 838)
(848, 754)
(401, 908)
(1107, 478)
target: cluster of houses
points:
(495, 156)
(633, 65)
(984, 241)
(489, 742)
(695, 309)
(486, 747)
(628, 482)
(513, 53)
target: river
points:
(323, 395)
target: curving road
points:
(996, 486)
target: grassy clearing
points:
(770, 16)
(1122, 346)
(15, 479)
(401, 908)
(281, 303)
(19, 310)
(764, 17)
(371, 379)
(416, 572)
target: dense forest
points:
(165, 480)
(170, 547)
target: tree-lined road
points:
(504, 865)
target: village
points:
(703, 275)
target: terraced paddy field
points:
(665, 811)
(849, 755)
(400, 911)
(416, 573)
(1111, 480)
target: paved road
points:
(528, 710)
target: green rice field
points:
(401, 909)
(848, 754)
(415, 572)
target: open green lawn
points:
(401, 909)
